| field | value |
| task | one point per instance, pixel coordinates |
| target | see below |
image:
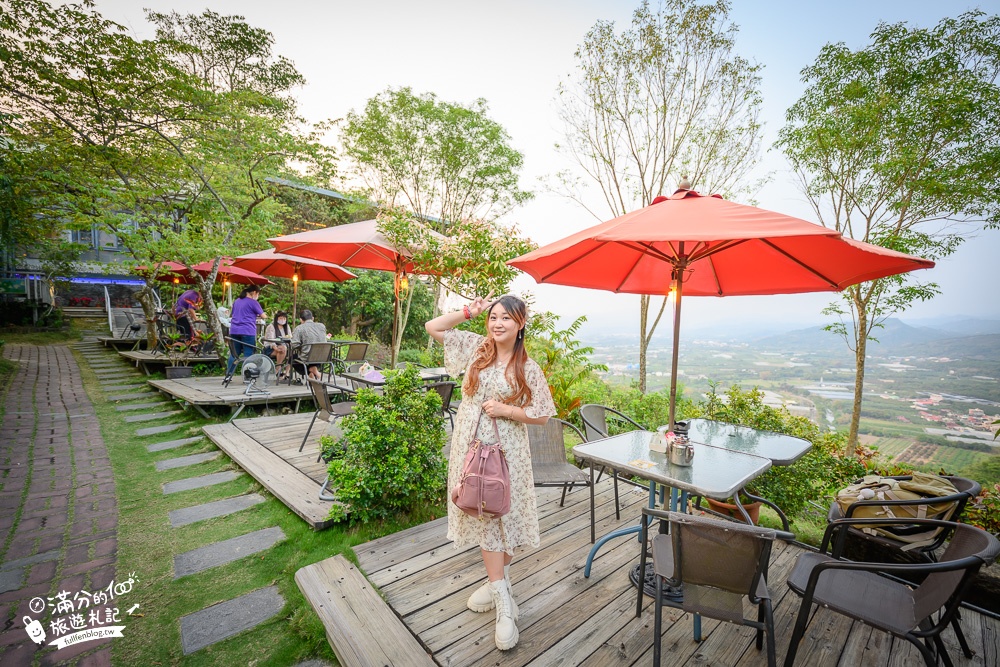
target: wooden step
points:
(362, 629)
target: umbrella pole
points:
(295, 299)
(679, 284)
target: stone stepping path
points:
(226, 551)
(153, 416)
(123, 387)
(213, 624)
(184, 461)
(139, 406)
(200, 482)
(156, 430)
(188, 515)
(131, 397)
(173, 444)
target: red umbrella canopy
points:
(721, 247)
(358, 245)
(170, 272)
(272, 263)
(710, 247)
(233, 274)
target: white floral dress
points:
(520, 526)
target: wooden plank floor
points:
(208, 391)
(567, 619)
(126, 343)
(267, 449)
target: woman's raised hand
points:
(480, 304)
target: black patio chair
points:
(446, 390)
(352, 353)
(719, 564)
(133, 328)
(319, 354)
(326, 409)
(864, 591)
(596, 427)
(920, 543)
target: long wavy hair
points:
(486, 355)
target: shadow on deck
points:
(567, 619)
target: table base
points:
(674, 594)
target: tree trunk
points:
(860, 347)
(145, 296)
(403, 316)
(437, 310)
(643, 340)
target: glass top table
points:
(716, 472)
(426, 375)
(782, 449)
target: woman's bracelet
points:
(467, 312)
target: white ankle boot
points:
(506, 632)
(481, 599)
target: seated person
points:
(186, 312)
(307, 333)
(278, 328)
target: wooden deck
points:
(267, 448)
(146, 360)
(206, 392)
(569, 620)
(122, 343)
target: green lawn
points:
(147, 545)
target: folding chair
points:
(355, 352)
(718, 564)
(549, 465)
(319, 354)
(329, 412)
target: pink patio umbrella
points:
(271, 263)
(358, 245)
(707, 246)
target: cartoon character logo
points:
(34, 630)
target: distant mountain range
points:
(967, 336)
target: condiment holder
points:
(677, 447)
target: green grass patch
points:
(147, 545)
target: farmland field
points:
(891, 447)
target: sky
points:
(513, 53)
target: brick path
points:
(58, 513)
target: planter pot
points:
(178, 372)
(753, 509)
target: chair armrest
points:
(565, 423)
(625, 417)
(840, 527)
(930, 500)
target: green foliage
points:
(363, 308)
(822, 471)
(564, 362)
(651, 409)
(392, 451)
(438, 158)
(985, 511)
(858, 137)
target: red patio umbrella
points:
(358, 245)
(707, 246)
(271, 263)
(233, 274)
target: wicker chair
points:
(719, 564)
(858, 590)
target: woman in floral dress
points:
(501, 382)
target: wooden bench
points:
(362, 629)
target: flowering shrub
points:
(985, 511)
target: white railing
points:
(111, 315)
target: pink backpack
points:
(484, 489)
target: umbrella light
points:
(708, 246)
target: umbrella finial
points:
(685, 184)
